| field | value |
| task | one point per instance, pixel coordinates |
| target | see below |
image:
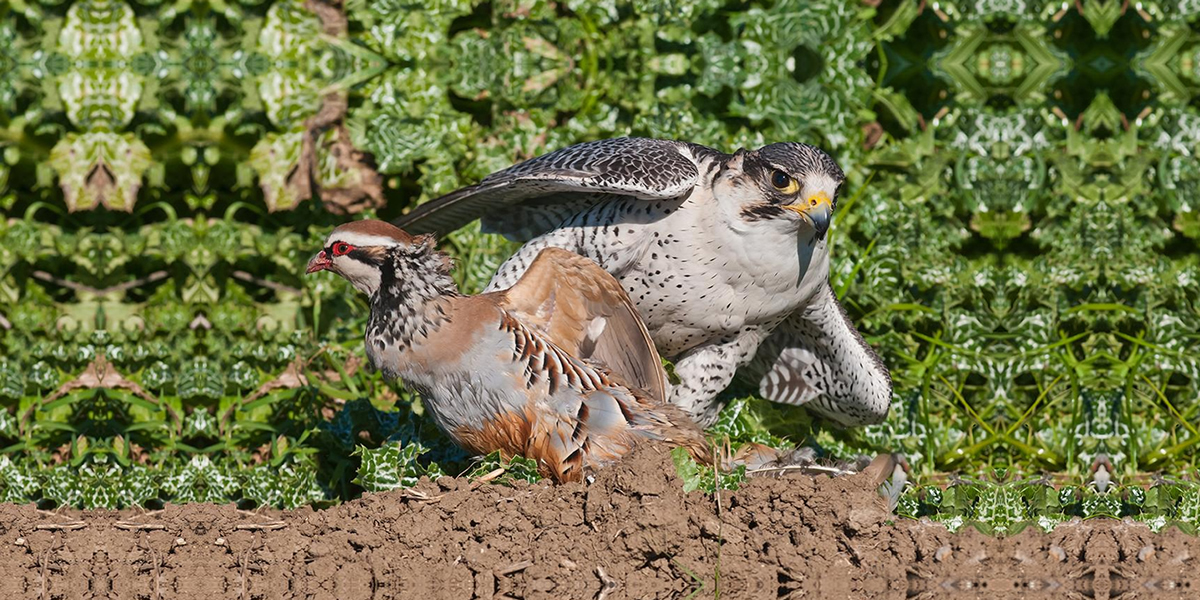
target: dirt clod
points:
(632, 533)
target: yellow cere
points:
(812, 202)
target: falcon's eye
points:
(783, 182)
(341, 248)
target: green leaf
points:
(201, 480)
(19, 484)
(392, 466)
(99, 481)
(513, 469)
(706, 479)
(289, 484)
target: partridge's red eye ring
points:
(341, 248)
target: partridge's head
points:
(360, 250)
(789, 185)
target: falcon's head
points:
(789, 185)
(361, 251)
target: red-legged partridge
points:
(557, 368)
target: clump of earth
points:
(630, 533)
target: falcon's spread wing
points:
(817, 358)
(582, 309)
(524, 200)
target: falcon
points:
(501, 370)
(724, 255)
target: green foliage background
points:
(1018, 236)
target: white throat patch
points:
(365, 278)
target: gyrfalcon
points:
(725, 256)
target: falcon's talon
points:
(724, 255)
(518, 370)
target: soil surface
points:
(632, 533)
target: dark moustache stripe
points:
(762, 212)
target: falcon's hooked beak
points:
(817, 209)
(320, 262)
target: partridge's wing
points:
(529, 198)
(817, 358)
(582, 309)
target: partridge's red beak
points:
(320, 262)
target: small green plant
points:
(706, 479)
(494, 469)
(393, 466)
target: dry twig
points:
(271, 285)
(261, 526)
(513, 568)
(130, 526)
(72, 526)
(419, 496)
(79, 287)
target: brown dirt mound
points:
(630, 534)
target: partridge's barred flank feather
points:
(542, 370)
(724, 257)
